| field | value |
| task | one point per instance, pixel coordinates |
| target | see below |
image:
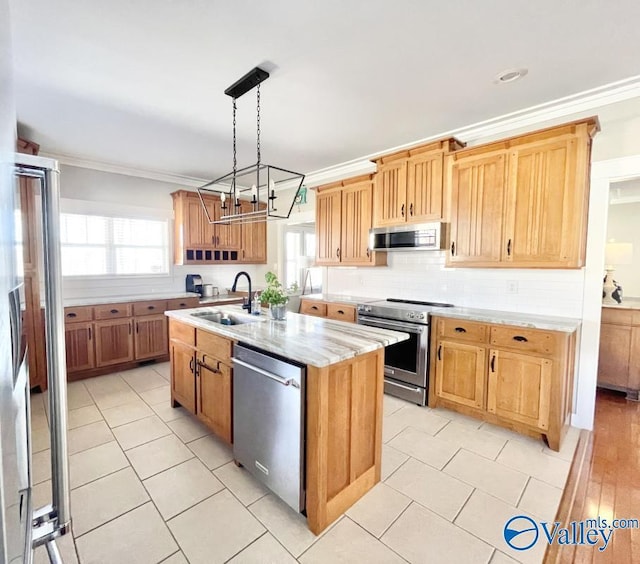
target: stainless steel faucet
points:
(246, 302)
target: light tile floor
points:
(150, 484)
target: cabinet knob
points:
(151, 307)
(460, 330)
(521, 339)
(114, 311)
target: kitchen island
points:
(344, 388)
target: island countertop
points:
(306, 339)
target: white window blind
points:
(94, 245)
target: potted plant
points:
(275, 295)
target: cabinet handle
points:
(460, 330)
(205, 365)
(90, 335)
(521, 339)
(440, 352)
(453, 248)
(368, 252)
(493, 363)
(191, 364)
(509, 248)
(183, 305)
(314, 307)
(151, 307)
(402, 210)
(338, 252)
(137, 328)
(72, 315)
(411, 210)
(129, 328)
(341, 312)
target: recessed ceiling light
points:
(510, 75)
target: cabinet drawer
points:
(463, 330)
(530, 340)
(181, 332)
(182, 303)
(313, 307)
(112, 311)
(618, 316)
(214, 345)
(73, 314)
(149, 308)
(341, 312)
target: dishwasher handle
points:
(283, 381)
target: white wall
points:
(102, 187)
(623, 226)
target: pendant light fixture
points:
(256, 184)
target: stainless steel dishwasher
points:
(268, 421)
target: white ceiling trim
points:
(570, 105)
(80, 162)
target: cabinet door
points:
(254, 238)
(477, 198)
(460, 373)
(328, 220)
(390, 194)
(151, 336)
(114, 341)
(634, 360)
(199, 232)
(545, 206)
(183, 378)
(356, 222)
(214, 385)
(615, 351)
(228, 237)
(425, 188)
(78, 339)
(519, 387)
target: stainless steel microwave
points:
(419, 237)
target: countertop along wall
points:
(99, 187)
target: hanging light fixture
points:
(256, 184)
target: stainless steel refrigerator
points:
(22, 526)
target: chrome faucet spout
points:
(246, 305)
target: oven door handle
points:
(393, 325)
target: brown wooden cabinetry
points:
(512, 376)
(330, 310)
(410, 185)
(522, 202)
(78, 338)
(150, 338)
(113, 341)
(202, 376)
(196, 241)
(619, 360)
(343, 219)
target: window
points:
(94, 245)
(299, 254)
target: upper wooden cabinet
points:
(343, 220)
(409, 185)
(196, 241)
(522, 202)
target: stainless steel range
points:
(406, 364)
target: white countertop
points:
(627, 303)
(303, 338)
(532, 321)
(75, 302)
(339, 298)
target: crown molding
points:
(586, 101)
(80, 162)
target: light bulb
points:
(223, 197)
(254, 190)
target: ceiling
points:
(140, 83)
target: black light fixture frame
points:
(228, 186)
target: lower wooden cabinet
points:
(214, 393)
(113, 341)
(619, 360)
(150, 339)
(516, 377)
(201, 376)
(336, 311)
(78, 338)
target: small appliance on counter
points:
(210, 291)
(194, 283)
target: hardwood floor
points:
(605, 481)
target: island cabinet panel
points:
(520, 378)
(344, 435)
(114, 341)
(214, 395)
(78, 338)
(183, 378)
(150, 338)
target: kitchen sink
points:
(222, 318)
